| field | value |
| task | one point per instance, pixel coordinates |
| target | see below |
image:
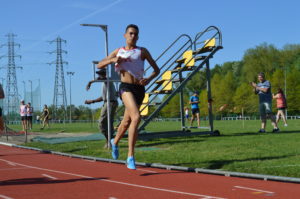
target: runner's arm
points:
(146, 55)
(100, 99)
(110, 59)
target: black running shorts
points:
(138, 91)
(195, 110)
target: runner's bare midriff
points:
(128, 78)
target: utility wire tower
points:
(59, 99)
(11, 104)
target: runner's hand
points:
(88, 101)
(253, 85)
(117, 60)
(144, 81)
(88, 86)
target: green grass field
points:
(239, 148)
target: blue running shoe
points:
(131, 163)
(114, 150)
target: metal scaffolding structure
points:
(59, 98)
(11, 102)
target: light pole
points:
(31, 100)
(108, 72)
(24, 88)
(70, 74)
(40, 98)
(285, 90)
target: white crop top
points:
(133, 63)
(23, 110)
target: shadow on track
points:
(44, 180)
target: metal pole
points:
(70, 99)
(183, 127)
(285, 90)
(108, 72)
(40, 98)
(209, 98)
(31, 92)
(24, 83)
(70, 75)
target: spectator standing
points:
(23, 114)
(113, 104)
(194, 101)
(263, 90)
(29, 115)
(45, 115)
(281, 106)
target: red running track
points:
(28, 174)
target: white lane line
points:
(146, 170)
(252, 189)
(6, 144)
(12, 169)
(48, 176)
(10, 163)
(5, 197)
(89, 160)
(117, 182)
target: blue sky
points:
(244, 24)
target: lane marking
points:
(5, 197)
(6, 144)
(12, 169)
(117, 182)
(12, 164)
(252, 189)
(48, 176)
(146, 170)
(89, 160)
